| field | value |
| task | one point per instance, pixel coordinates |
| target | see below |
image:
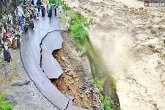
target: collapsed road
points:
(36, 53)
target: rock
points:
(82, 96)
(77, 79)
(75, 76)
(63, 58)
(96, 90)
(141, 8)
(151, 46)
(157, 51)
(21, 84)
(163, 35)
(26, 82)
(14, 84)
(11, 99)
(6, 69)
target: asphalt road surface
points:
(31, 52)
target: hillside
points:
(129, 40)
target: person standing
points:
(16, 15)
(55, 10)
(6, 53)
(14, 42)
(47, 6)
(50, 13)
(31, 24)
(39, 3)
(17, 36)
(36, 13)
(10, 39)
(43, 11)
(32, 2)
(31, 15)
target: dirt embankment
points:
(77, 80)
(130, 42)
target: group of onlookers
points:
(24, 21)
(11, 40)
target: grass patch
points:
(113, 81)
(57, 2)
(5, 105)
(99, 82)
(79, 29)
(107, 103)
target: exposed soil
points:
(72, 82)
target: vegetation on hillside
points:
(57, 2)
(107, 103)
(79, 27)
(99, 82)
(5, 105)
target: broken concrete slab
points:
(51, 42)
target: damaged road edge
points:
(69, 105)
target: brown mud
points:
(72, 82)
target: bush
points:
(99, 82)
(107, 103)
(57, 2)
(52, 1)
(5, 105)
(79, 26)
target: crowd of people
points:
(24, 21)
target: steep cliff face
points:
(6, 7)
(129, 40)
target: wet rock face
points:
(7, 6)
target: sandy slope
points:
(130, 43)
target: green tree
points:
(52, 1)
(5, 105)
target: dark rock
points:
(26, 82)
(21, 84)
(14, 84)
(157, 51)
(11, 99)
(141, 8)
(151, 46)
